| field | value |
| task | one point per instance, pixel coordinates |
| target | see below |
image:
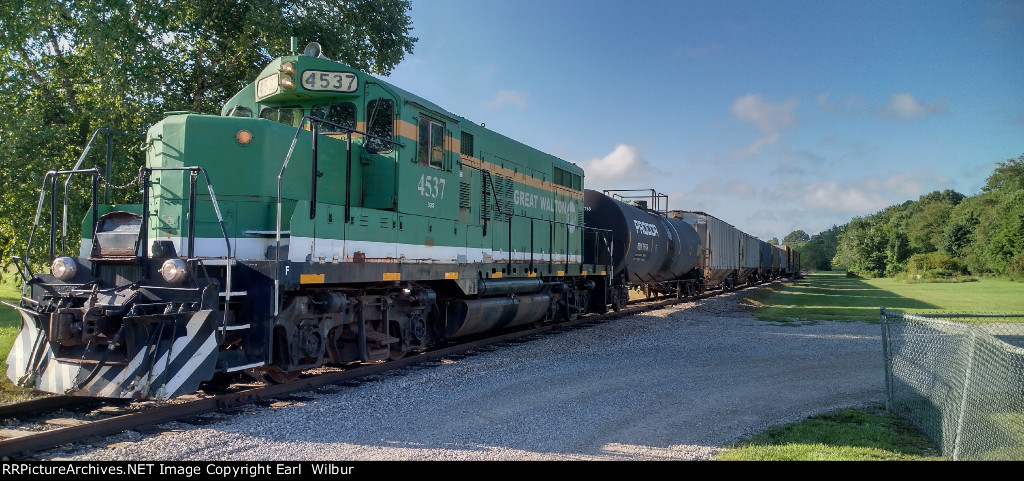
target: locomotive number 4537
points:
(431, 186)
(330, 81)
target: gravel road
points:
(674, 384)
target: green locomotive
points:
(324, 217)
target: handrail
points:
(106, 177)
(213, 200)
(488, 179)
(42, 197)
(144, 228)
(51, 178)
(314, 122)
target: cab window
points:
(380, 123)
(342, 113)
(239, 111)
(290, 115)
(430, 147)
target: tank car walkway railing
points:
(959, 378)
(651, 202)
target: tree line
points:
(71, 67)
(941, 235)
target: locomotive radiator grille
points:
(118, 275)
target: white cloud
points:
(739, 189)
(904, 106)
(829, 195)
(770, 118)
(797, 162)
(515, 98)
(871, 194)
(708, 187)
(680, 200)
(913, 184)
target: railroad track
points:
(50, 422)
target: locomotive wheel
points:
(396, 353)
(272, 375)
(282, 377)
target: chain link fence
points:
(959, 378)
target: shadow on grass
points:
(851, 434)
(828, 296)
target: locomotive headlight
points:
(174, 270)
(287, 83)
(288, 68)
(64, 268)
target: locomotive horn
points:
(313, 49)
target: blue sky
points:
(770, 115)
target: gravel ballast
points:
(678, 383)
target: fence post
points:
(963, 397)
(887, 356)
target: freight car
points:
(785, 261)
(650, 250)
(720, 248)
(750, 259)
(327, 217)
(765, 265)
(792, 261)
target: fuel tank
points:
(647, 246)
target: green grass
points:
(10, 321)
(10, 324)
(824, 296)
(869, 434)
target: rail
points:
(32, 442)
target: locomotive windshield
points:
(381, 124)
(341, 113)
(290, 115)
(239, 111)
